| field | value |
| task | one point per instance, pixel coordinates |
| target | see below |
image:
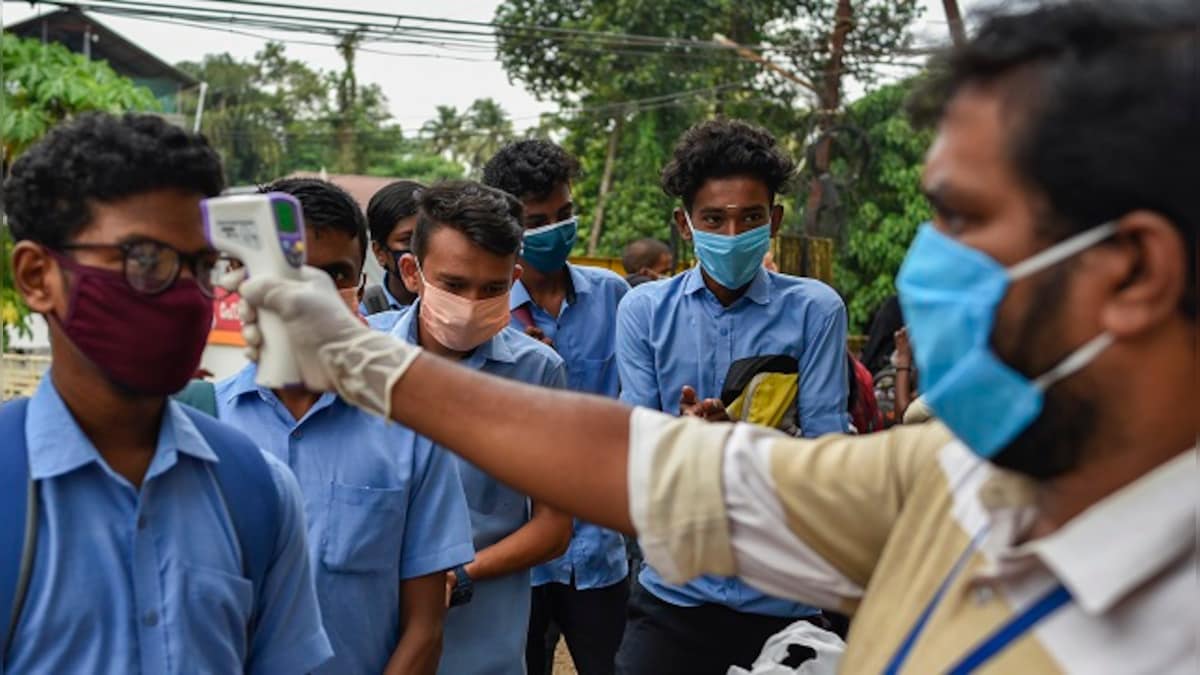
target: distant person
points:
(391, 216)
(464, 262)
(881, 333)
(573, 308)
(165, 542)
(386, 514)
(646, 260)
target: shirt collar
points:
(580, 284)
(1154, 517)
(495, 349)
(243, 384)
(758, 293)
(57, 445)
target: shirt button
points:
(151, 618)
(141, 522)
(983, 595)
(297, 434)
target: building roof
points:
(69, 26)
(362, 188)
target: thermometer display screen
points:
(285, 216)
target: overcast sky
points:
(415, 86)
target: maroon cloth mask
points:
(148, 344)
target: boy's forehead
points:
(170, 216)
(732, 193)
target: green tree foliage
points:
(272, 115)
(43, 85)
(884, 206)
(47, 83)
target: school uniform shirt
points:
(925, 544)
(584, 335)
(149, 579)
(675, 332)
(382, 505)
(487, 635)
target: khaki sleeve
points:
(798, 518)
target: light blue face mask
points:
(548, 247)
(731, 261)
(949, 293)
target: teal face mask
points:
(548, 247)
(731, 261)
(949, 293)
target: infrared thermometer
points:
(266, 233)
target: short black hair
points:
(1104, 98)
(488, 217)
(394, 202)
(102, 158)
(721, 148)
(530, 169)
(643, 253)
(326, 206)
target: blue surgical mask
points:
(731, 260)
(548, 247)
(949, 293)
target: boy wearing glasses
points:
(145, 556)
(387, 518)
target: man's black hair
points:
(488, 217)
(102, 158)
(642, 254)
(530, 169)
(326, 206)
(394, 202)
(722, 148)
(1104, 102)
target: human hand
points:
(902, 357)
(539, 335)
(332, 349)
(709, 409)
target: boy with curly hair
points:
(676, 341)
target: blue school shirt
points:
(487, 635)
(382, 506)
(149, 579)
(584, 335)
(675, 332)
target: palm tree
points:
(490, 129)
(446, 132)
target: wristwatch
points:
(463, 589)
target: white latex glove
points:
(332, 348)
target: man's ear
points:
(410, 273)
(38, 278)
(518, 271)
(776, 218)
(1144, 272)
(681, 224)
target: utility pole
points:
(830, 98)
(610, 161)
(958, 33)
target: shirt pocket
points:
(591, 375)
(215, 615)
(365, 528)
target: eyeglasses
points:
(151, 267)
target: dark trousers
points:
(592, 622)
(663, 639)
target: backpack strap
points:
(18, 538)
(375, 300)
(201, 395)
(250, 495)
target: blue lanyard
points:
(1014, 628)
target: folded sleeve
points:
(804, 519)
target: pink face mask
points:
(458, 323)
